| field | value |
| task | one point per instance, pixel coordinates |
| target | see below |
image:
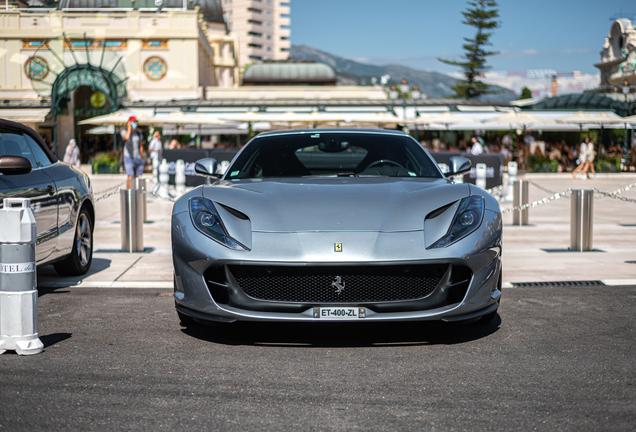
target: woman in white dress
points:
(582, 158)
(72, 155)
(590, 152)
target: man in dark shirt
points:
(133, 150)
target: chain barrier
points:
(546, 200)
(109, 194)
(623, 189)
(558, 195)
(103, 194)
(154, 194)
(496, 189)
(614, 195)
(538, 186)
(106, 193)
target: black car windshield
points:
(333, 154)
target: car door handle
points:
(50, 189)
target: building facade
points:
(262, 28)
(618, 57)
(82, 58)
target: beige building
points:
(618, 57)
(262, 28)
(83, 58)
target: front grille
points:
(319, 283)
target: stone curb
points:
(109, 284)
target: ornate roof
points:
(211, 9)
(120, 4)
(289, 72)
(582, 102)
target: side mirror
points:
(207, 167)
(14, 165)
(459, 165)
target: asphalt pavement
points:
(117, 359)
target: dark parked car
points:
(61, 198)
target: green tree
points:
(482, 14)
(525, 93)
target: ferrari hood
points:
(328, 204)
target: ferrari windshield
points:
(333, 154)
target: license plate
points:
(339, 313)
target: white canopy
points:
(602, 118)
(25, 115)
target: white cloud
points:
(510, 54)
(518, 54)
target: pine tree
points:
(526, 93)
(482, 14)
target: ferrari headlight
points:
(206, 219)
(467, 219)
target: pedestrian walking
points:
(133, 150)
(72, 155)
(591, 153)
(155, 147)
(582, 161)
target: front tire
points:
(81, 257)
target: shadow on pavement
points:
(343, 335)
(52, 339)
(147, 249)
(47, 277)
(52, 290)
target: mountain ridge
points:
(351, 72)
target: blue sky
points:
(536, 34)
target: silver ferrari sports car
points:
(329, 225)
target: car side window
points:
(41, 158)
(15, 144)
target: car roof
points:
(4, 123)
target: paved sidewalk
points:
(534, 253)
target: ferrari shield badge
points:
(338, 247)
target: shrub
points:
(542, 164)
(603, 163)
(105, 162)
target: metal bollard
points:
(141, 184)
(581, 220)
(163, 179)
(481, 170)
(512, 177)
(132, 227)
(520, 197)
(179, 177)
(18, 292)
